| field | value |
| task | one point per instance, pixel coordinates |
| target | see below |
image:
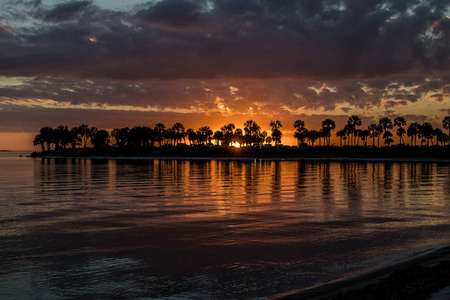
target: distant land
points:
(284, 152)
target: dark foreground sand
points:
(417, 278)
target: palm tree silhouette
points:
(400, 122)
(160, 129)
(413, 131)
(276, 132)
(192, 136)
(386, 123)
(179, 131)
(218, 136)
(327, 126)
(313, 135)
(228, 134)
(239, 136)
(39, 140)
(364, 134)
(387, 136)
(373, 132)
(352, 123)
(75, 138)
(121, 135)
(446, 125)
(47, 136)
(204, 135)
(84, 132)
(441, 137)
(100, 138)
(300, 132)
(426, 132)
(342, 136)
(252, 132)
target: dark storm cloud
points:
(172, 39)
(67, 11)
(177, 14)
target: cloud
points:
(67, 11)
(176, 14)
(211, 62)
(266, 39)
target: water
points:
(140, 229)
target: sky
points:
(114, 63)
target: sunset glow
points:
(111, 65)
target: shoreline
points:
(206, 158)
(381, 279)
(388, 154)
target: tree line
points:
(62, 137)
(351, 135)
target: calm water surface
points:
(127, 229)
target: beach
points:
(425, 276)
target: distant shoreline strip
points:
(193, 158)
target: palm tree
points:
(359, 134)
(313, 135)
(364, 134)
(100, 139)
(160, 129)
(438, 133)
(426, 132)
(373, 132)
(75, 138)
(39, 140)
(205, 133)
(400, 122)
(239, 136)
(121, 135)
(446, 124)
(179, 131)
(379, 132)
(352, 123)
(84, 132)
(62, 136)
(170, 137)
(441, 137)
(349, 131)
(218, 136)
(387, 136)
(386, 123)
(252, 131)
(47, 136)
(299, 124)
(400, 133)
(301, 136)
(192, 136)
(276, 132)
(148, 136)
(228, 133)
(342, 136)
(412, 132)
(327, 126)
(262, 137)
(300, 132)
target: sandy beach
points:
(425, 276)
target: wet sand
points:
(425, 276)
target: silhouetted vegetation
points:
(161, 139)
